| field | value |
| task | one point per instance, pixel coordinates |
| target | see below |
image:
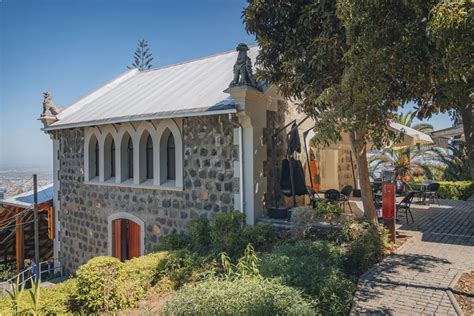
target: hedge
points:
(246, 296)
(456, 190)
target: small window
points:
(112, 159)
(96, 158)
(171, 158)
(130, 158)
(149, 158)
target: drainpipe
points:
(241, 162)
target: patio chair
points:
(333, 195)
(405, 205)
(432, 192)
(345, 196)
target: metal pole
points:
(35, 213)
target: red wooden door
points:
(133, 240)
(117, 238)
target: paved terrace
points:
(415, 279)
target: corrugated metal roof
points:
(25, 199)
(189, 88)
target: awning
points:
(25, 200)
(411, 137)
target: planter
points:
(278, 213)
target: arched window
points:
(170, 158)
(96, 159)
(130, 158)
(112, 159)
(149, 158)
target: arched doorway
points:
(126, 236)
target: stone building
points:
(139, 157)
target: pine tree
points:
(142, 57)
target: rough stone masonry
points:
(208, 180)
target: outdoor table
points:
(422, 185)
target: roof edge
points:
(137, 118)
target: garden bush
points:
(456, 190)
(180, 267)
(245, 296)
(175, 242)
(366, 247)
(200, 233)
(57, 299)
(104, 284)
(314, 267)
(226, 232)
(99, 284)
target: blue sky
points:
(72, 47)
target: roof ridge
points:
(196, 59)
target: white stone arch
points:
(163, 127)
(143, 130)
(92, 135)
(131, 217)
(124, 131)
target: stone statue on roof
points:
(48, 106)
(243, 74)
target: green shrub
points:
(365, 249)
(246, 296)
(226, 233)
(258, 235)
(200, 233)
(179, 267)
(99, 284)
(456, 190)
(175, 242)
(56, 299)
(314, 267)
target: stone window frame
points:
(128, 216)
(138, 132)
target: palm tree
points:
(410, 161)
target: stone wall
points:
(209, 187)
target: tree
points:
(350, 64)
(450, 30)
(142, 58)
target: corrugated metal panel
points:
(25, 199)
(191, 87)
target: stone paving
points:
(415, 279)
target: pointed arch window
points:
(130, 157)
(112, 159)
(149, 158)
(96, 153)
(171, 158)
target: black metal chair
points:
(405, 205)
(345, 196)
(432, 192)
(332, 195)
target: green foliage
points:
(98, 284)
(104, 284)
(7, 270)
(366, 247)
(199, 230)
(180, 267)
(247, 265)
(15, 295)
(226, 230)
(142, 58)
(314, 267)
(456, 190)
(227, 233)
(35, 295)
(175, 242)
(245, 296)
(57, 299)
(303, 218)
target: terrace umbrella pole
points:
(305, 134)
(274, 167)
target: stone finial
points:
(243, 74)
(50, 111)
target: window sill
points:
(148, 184)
